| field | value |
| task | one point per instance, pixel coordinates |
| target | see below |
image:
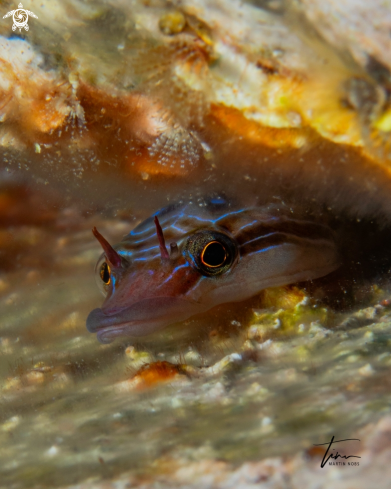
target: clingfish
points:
(186, 259)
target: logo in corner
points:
(20, 17)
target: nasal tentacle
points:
(174, 250)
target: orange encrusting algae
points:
(233, 120)
(156, 373)
(36, 101)
(126, 125)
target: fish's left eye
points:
(105, 273)
(211, 252)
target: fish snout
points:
(141, 318)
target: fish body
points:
(219, 254)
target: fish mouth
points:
(141, 318)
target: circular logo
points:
(20, 18)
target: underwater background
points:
(111, 110)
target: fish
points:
(218, 253)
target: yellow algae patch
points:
(320, 103)
(282, 297)
(172, 23)
(384, 122)
(286, 310)
(315, 100)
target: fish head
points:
(217, 255)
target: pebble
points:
(10, 423)
(367, 370)
(193, 358)
(224, 364)
(53, 451)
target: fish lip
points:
(139, 319)
(108, 334)
(98, 321)
(107, 328)
(93, 320)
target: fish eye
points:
(211, 252)
(103, 276)
(214, 254)
(104, 273)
